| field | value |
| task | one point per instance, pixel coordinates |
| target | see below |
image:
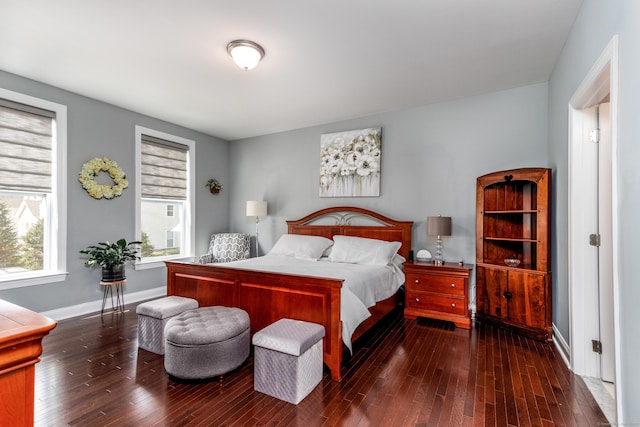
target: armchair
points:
(225, 247)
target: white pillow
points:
(360, 250)
(301, 246)
(398, 260)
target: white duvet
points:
(363, 285)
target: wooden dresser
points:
(21, 333)
(438, 292)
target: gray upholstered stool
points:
(288, 359)
(154, 315)
(206, 342)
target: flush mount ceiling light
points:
(245, 53)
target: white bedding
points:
(363, 285)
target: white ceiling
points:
(325, 61)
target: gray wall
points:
(597, 22)
(431, 157)
(96, 129)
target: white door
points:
(605, 251)
(583, 258)
(591, 209)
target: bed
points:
(270, 295)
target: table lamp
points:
(257, 208)
(439, 226)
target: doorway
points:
(594, 330)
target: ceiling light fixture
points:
(245, 53)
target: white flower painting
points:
(350, 163)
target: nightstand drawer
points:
(433, 283)
(442, 303)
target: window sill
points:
(160, 262)
(12, 283)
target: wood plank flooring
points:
(404, 373)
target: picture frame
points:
(350, 163)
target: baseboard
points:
(94, 306)
(562, 346)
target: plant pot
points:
(215, 190)
(114, 273)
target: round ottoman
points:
(206, 342)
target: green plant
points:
(214, 184)
(107, 254)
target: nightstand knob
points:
(453, 305)
(417, 299)
(417, 281)
(453, 285)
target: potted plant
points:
(214, 185)
(112, 258)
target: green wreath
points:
(92, 168)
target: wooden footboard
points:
(266, 297)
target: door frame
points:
(601, 80)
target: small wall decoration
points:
(214, 185)
(350, 163)
(93, 168)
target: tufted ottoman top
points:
(206, 325)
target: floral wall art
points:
(350, 163)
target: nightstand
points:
(438, 292)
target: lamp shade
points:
(439, 226)
(256, 208)
(245, 53)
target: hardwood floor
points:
(404, 373)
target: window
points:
(164, 202)
(32, 196)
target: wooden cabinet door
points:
(527, 299)
(491, 284)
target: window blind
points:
(163, 169)
(26, 140)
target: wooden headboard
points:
(354, 221)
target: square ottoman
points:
(288, 359)
(153, 317)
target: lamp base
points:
(257, 246)
(438, 258)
